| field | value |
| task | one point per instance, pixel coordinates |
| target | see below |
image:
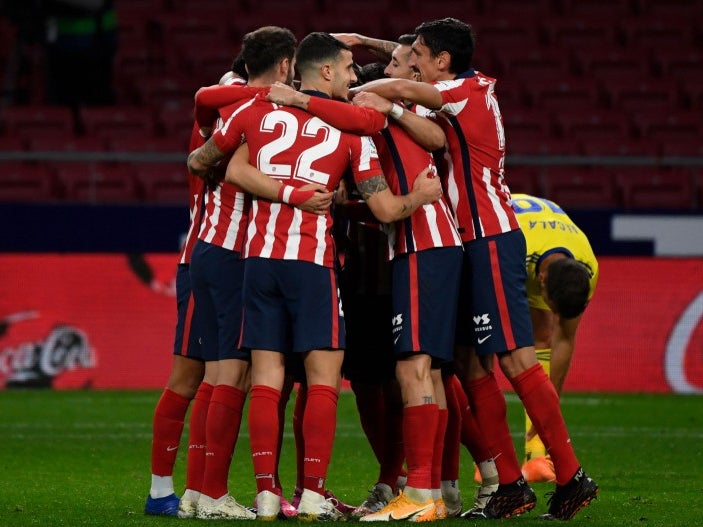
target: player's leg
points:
(170, 411)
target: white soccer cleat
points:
(268, 506)
(315, 507)
(379, 497)
(225, 508)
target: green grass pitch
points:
(81, 458)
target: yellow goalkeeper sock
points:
(534, 446)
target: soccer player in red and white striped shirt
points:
(493, 293)
(291, 301)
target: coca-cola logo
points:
(680, 365)
(37, 363)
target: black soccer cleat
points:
(567, 500)
(510, 500)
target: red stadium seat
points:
(564, 94)
(117, 121)
(623, 146)
(27, 120)
(691, 147)
(580, 188)
(523, 180)
(535, 145)
(651, 188)
(170, 91)
(27, 182)
(668, 126)
(169, 144)
(164, 182)
(614, 64)
(578, 33)
(671, 8)
(538, 63)
(98, 182)
(528, 122)
(176, 122)
(600, 9)
(9, 143)
(585, 124)
(649, 34)
(642, 96)
(55, 143)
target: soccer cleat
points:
(166, 506)
(510, 500)
(567, 500)
(401, 508)
(223, 509)
(287, 508)
(297, 493)
(187, 508)
(315, 507)
(342, 507)
(451, 498)
(379, 497)
(438, 512)
(539, 470)
(483, 494)
(268, 506)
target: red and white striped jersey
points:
(291, 145)
(430, 226)
(196, 187)
(475, 186)
(226, 209)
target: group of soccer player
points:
(293, 192)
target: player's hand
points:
(372, 100)
(283, 94)
(320, 201)
(350, 39)
(427, 186)
(212, 178)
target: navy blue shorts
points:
(291, 306)
(188, 327)
(493, 313)
(217, 275)
(425, 294)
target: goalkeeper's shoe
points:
(166, 506)
(539, 470)
(568, 499)
(510, 500)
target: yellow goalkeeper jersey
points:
(548, 230)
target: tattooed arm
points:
(382, 49)
(387, 207)
(203, 159)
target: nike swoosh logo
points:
(171, 448)
(395, 340)
(413, 513)
(483, 339)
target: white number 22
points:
(288, 124)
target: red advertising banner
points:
(107, 321)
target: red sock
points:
(169, 417)
(419, 431)
(541, 402)
(224, 417)
(298, 415)
(489, 409)
(319, 424)
(263, 433)
(472, 436)
(282, 403)
(452, 436)
(438, 452)
(196, 437)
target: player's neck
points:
(311, 86)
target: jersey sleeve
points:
(347, 117)
(210, 98)
(364, 158)
(230, 136)
(455, 95)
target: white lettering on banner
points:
(672, 235)
(675, 357)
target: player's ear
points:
(326, 72)
(444, 60)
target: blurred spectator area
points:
(602, 99)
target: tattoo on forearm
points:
(372, 186)
(210, 155)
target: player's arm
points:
(381, 49)
(204, 158)
(403, 89)
(387, 207)
(345, 117)
(210, 98)
(563, 342)
(424, 132)
(312, 197)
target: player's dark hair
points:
(407, 39)
(316, 49)
(370, 72)
(238, 66)
(266, 47)
(568, 286)
(450, 35)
